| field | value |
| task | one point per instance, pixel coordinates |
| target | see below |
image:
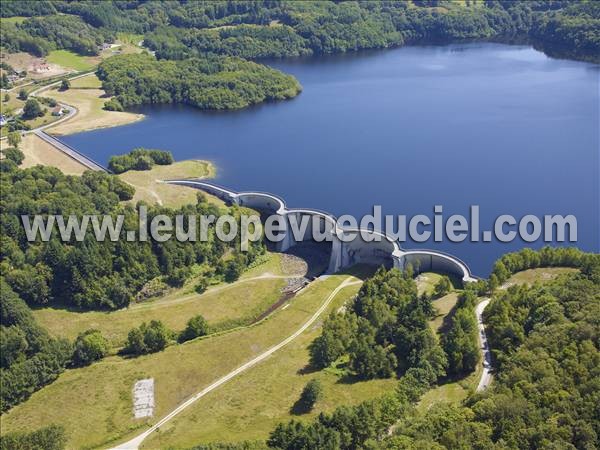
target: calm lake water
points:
(503, 127)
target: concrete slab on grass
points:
(143, 398)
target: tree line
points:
(288, 29)
(93, 274)
(139, 159)
(40, 35)
(30, 358)
(255, 29)
(206, 83)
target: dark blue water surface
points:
(504, 127)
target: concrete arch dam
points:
(348, 246)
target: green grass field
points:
(251, 407)
(540, 274)
(452, 392)
(426, 282)
(443, 307)
(88, 82)
(94, 403)
(89, 102)
(223, 307)
(15, 19)
(148, 185)
(130, 38)
(70, 60)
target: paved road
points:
(134, 443)
(71, 111)
(486, 376)
(82, 159)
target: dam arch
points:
(385, 251)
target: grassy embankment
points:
(223, 306)
(94, 403)
(148, 185)
(251, 407)
(37, 151)
(245, 408)
(125, 43)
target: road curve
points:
(134, 443)
(71, 110)
(486, 375)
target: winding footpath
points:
(134, 443)
(486, 375)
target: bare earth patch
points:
(143, 398)
(37, 68)
(38, 151)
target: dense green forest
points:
(30, 357)
(90, 273)
(41, 35)
(139, 159)
(254, 29)
(207, 83)
(384, 332)
(198, 44)
(86, 274)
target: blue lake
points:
(503, 127)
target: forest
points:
(39, 36)
(384, 332)
(207, 83)
(202, 48)
(257, 29)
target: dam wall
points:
(348, 246)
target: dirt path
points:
(136, 442)
(157, 305)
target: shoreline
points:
(87, 97)
(139, 118)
